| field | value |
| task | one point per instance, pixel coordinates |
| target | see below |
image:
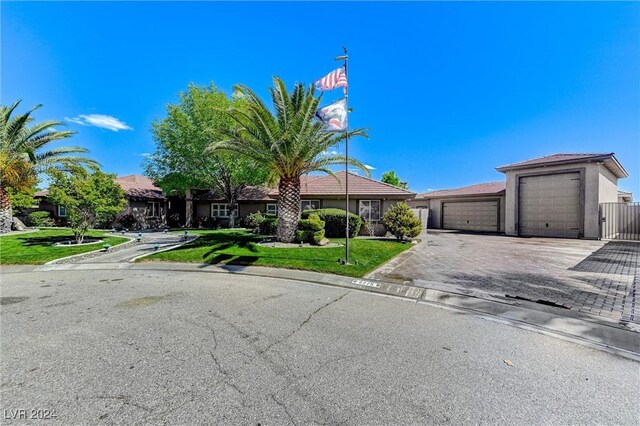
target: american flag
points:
(336, 78)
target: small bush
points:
(335, 222)
(310, 230)
(41, 218)
(127, 221)
(401, 222)
(262, 223)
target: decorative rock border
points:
(92, 254)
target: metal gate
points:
(620, 221)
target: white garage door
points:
(550, 205)
(470, 215)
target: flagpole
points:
(346, 162)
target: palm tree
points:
(288, 143)
(23, 157)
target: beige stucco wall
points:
(598, 184)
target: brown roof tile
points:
(138, 186)
(358, 186)
(489, 188)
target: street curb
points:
(527, 315)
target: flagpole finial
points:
(345, 49)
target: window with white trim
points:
(62, 211)
(222, 210)
(272, 208)
(309, 205)
(369, 210)
(153, 209)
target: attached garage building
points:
(559, 195)
(476, 208)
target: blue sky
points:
(449, 90)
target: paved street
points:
(147, 347)
(593, 277)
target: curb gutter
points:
(578, 328)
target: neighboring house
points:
(368, 198)
(553, 196)
(145, 201)
(625, 197)
(57, 213)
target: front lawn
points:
(36, 248)
(238, 247)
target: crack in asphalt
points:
(285, 409)
(288, 336)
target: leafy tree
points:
(288, 142)
(179, 164)
(23, 155)
(392, 179)
(22, 199)
(402, 222)
(89, 197)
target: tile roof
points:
(608, 159)
(358, 186)
(138, 186)
(251, 193)
(489, 188)
(325, 185)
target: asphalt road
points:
(146, 347)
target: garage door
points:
(470, 215)
(549, 205)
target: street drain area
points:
(539, 301)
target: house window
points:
(222, 210)
(153, 209)
(370, 210)
(272, 208)
(62, 211)
(309, 205)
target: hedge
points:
(335, 222)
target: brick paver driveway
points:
(595, 277)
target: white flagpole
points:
(346, 162)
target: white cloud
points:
(145, 154)
(368, 167)
(99, 120)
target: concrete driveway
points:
(164, 347)
(593, 277)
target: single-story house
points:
(146, 202)
(553, 196)
(368, 198)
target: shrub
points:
(401, 222)
(41, 218)
(335, 222)
(310, 230)
(127, 221)
(262, 223)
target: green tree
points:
(288, 142)
(402, 222)
(179, 164)
(392, 179)
(89, 197)
(23, 155)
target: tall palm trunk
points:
(6, 212)
(288, 208)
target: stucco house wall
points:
(591, 194)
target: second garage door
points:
(549, 205)
(471, 215)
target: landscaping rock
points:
(17, 225)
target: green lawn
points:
(238, 247)
(36, 248)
